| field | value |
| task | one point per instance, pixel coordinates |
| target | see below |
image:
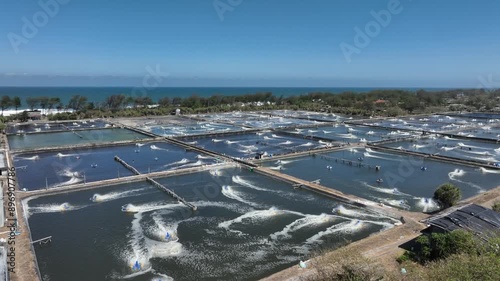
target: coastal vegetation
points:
(447, 195)
(388, 102)
(456, 255)
(496, 206)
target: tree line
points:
(387, 102)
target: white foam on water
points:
(139, 144)
(393, 191)
(216, 140)
(497, 150)
(130, 208)
(276, 136)
(327, 132)
(485, 153)
(367, 154)
(427, 204)
(199, 156)
(193, 164)
(235, 207)
(54, 208)
(240, 181)
(284, 162)
(249, 147)
(154, 147)
(162, 231)
(231, 142)
(161, 277)
(115, 195)
(305, 222)
(363, 140)
(403, 204)
(138, 251)
(285, 142)
(192, 142)
(352, 213)
(464, 145)
(370, 133)
(307, 144)
(32, 158)
(418, 146)
(254, 217)
(457, 173)
(215, 172)
(348, 136)
(343, 227)
(277, 168)
(448, 148)
(180, 162)
(489, 171)
(230, 193)
(61, 155)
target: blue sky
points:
(257, 43)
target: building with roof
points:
(482, 222)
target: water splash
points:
(344, 227)
(115, 195)
(230, 193)
(489, 171)
(427, 204)
(240, 181)
(154, 147)
(305, 222)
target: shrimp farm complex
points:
(226, 196)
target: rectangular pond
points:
(432, 123)
(402, 181)
(34, 141)
(194, 128)
(265, 143)
(487, 152)
(484, 132)
(319, 116)
(33, 127)
(256, 120)
(352, 134)
(52, 169)
(247, 226)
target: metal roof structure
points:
(477, 219)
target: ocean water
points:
(98, 94)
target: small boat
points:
(380, 180)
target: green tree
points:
(32, 102)
(5, 102)
(53, 102)
(44, 102)
(77, 102)
(496, 206)
(16, 101)
(164, 102)
(447, 195)
(115, 102)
